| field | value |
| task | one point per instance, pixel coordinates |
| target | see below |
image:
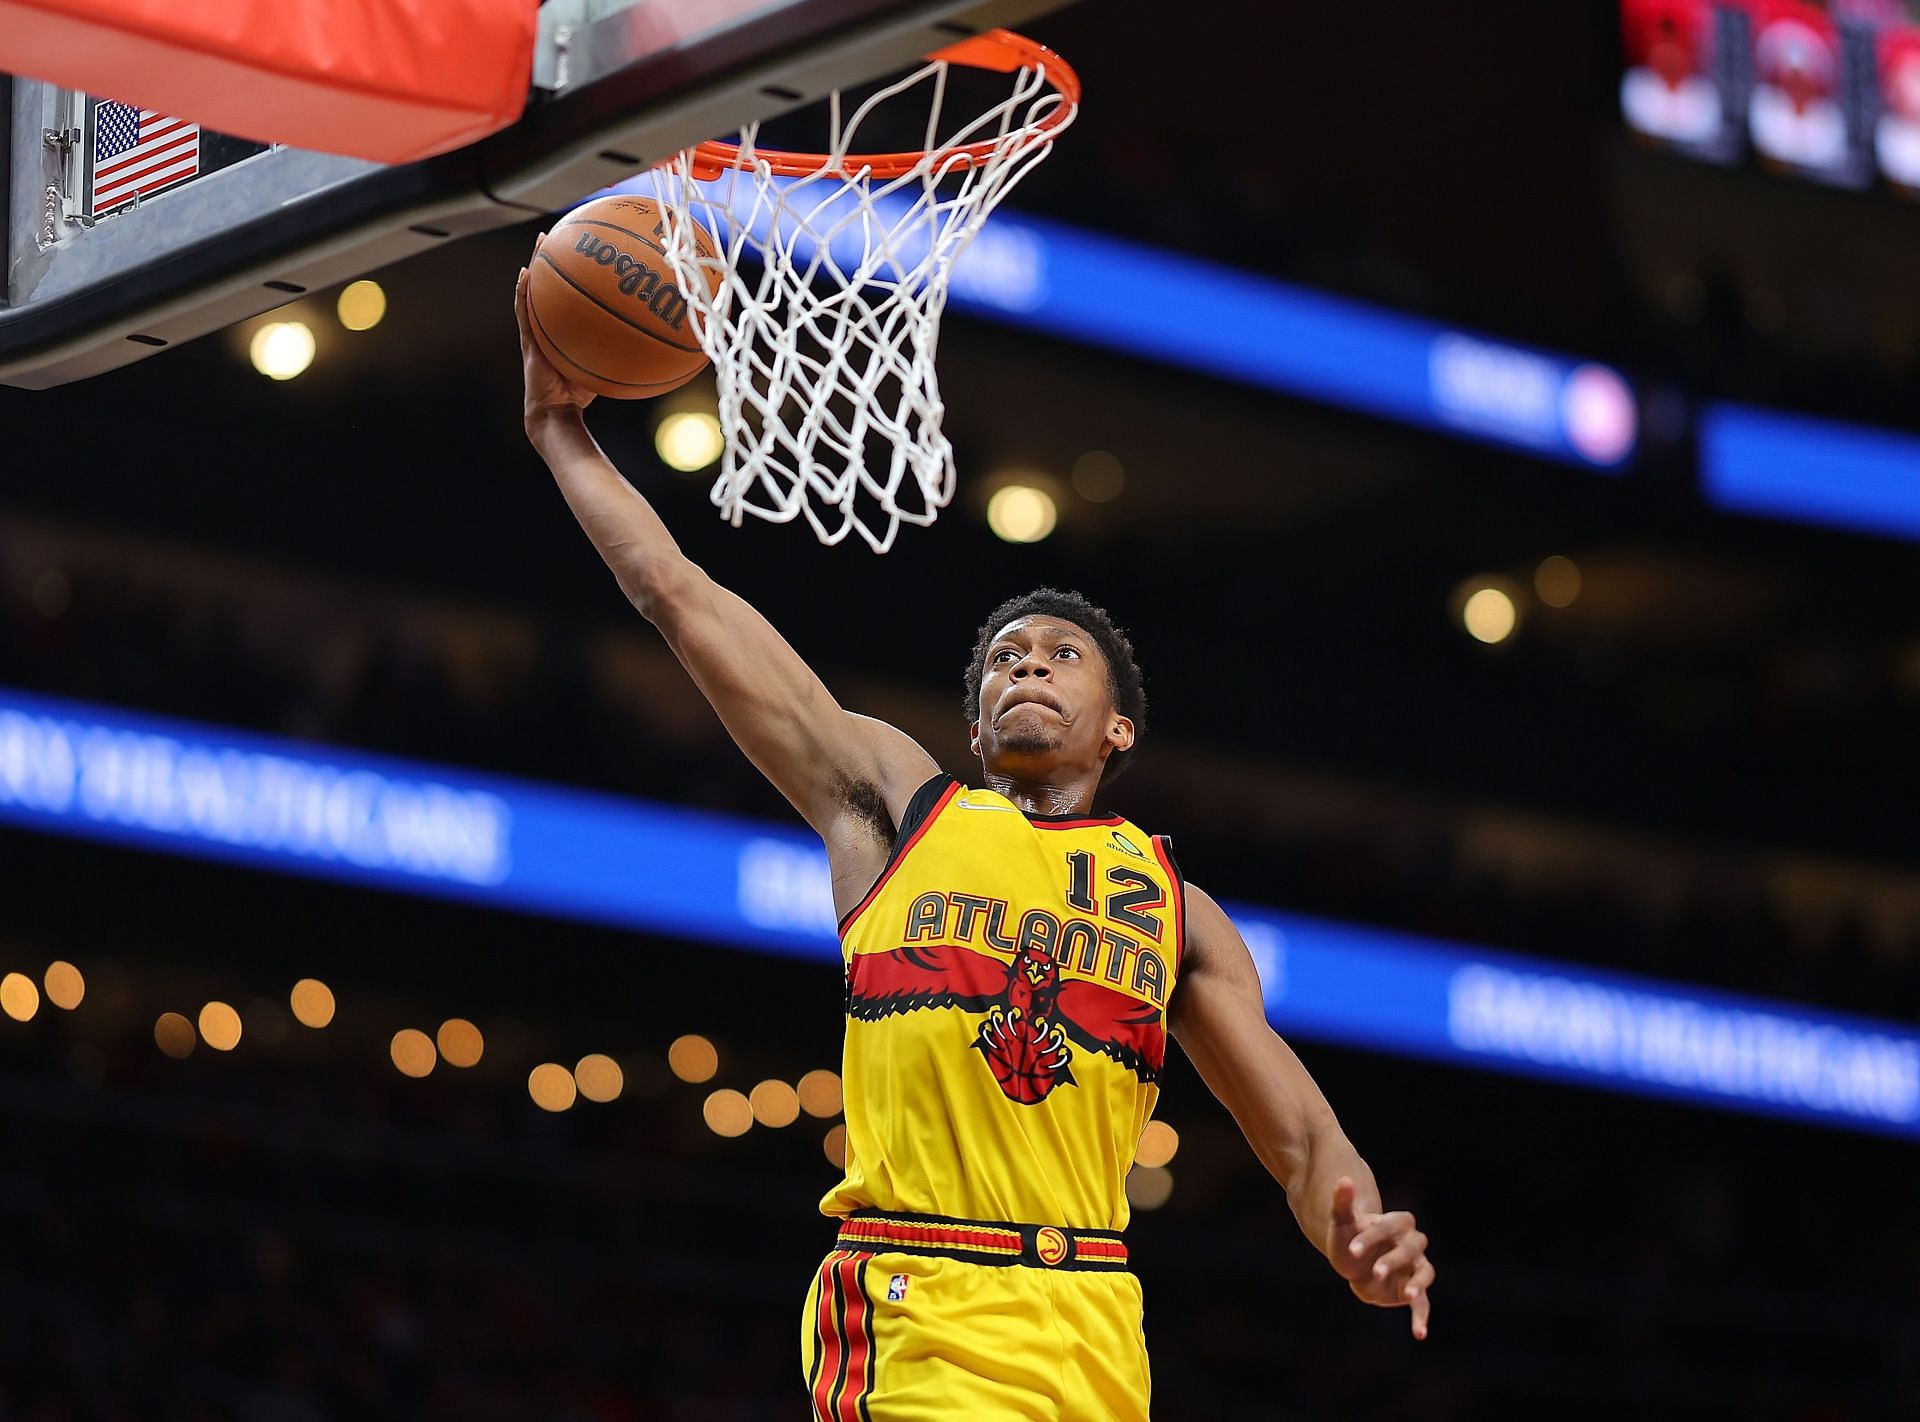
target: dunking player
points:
(1014, 961)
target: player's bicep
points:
(778, 711)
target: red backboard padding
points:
(391, 80)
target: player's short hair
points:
(1124, 682)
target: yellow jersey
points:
(1007, 987)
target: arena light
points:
(727, 1113)
(774, 1104)
(361, 305)
(1159, 1143)
(312, 1002)
(65, 987)
(460, 1042)
(1020, 513)
(1556, 582)
(1098, 476)
(552, 1087)
(19, 998)
(689, 440)
(693, 1059)
(820, 1093)
(220, 1026)
(412, 1052)
(174, 1035)
(599, 1077)
(1149, 1186)
(280, 350)
(834, 1146)
(1489, 615)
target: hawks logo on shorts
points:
(1007, 987)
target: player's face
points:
(1045, 706)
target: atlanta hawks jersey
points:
(1007, 987)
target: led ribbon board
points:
(206, 792)
(1178, 310)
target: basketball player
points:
(1014, 960)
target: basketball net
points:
(823, 344)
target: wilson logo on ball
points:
(636, 279)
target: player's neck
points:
(1073, 796)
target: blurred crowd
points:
(139, 625)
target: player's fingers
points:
(1419, 1281)
(1378, 1232)
(1421, 1307)
(1402, 1258)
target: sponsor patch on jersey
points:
(1126, 846)
(896, 1288)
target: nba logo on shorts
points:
(896, 1288)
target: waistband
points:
(985, 1241)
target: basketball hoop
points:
(825, 354)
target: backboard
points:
(100, 273)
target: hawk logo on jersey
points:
(1034, 1017)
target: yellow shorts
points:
(890, 1337)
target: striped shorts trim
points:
(841, 1378)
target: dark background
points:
(1703, 769)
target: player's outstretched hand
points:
(1382, 1257)
(547, 389)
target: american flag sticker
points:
(137, 152)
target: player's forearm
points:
(623, 526)
(1329, 1155)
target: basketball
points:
(606, 307)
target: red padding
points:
(391, 80)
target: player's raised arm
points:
(820, 756)
(1219, 1018)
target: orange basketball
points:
(606, 308)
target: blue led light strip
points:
(1806, 470)
(1218, 320)
(207, 792)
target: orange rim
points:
(1000, 50)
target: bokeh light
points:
(1149, 1186)
(1020, 513)
(835, 1146)
(774, 1104)
(693, 1058)
(312, 1002)
(1159, 1143)
(1489, 615)
(599, 1077)
(361, 305)
(820, 1093)
(460, 1042)
(19, 998)
(551, 1087)
(220, 1026)
(689, 440)
(727, 1113)
(173, 1034)
(280, 350)
(412, 1052)
(1098, 476)
(65, 987)
(1557, 581)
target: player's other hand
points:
(547, 390)
(1382, 1257)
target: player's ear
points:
(973, 736)
(1120, 732)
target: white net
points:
(824, 319)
